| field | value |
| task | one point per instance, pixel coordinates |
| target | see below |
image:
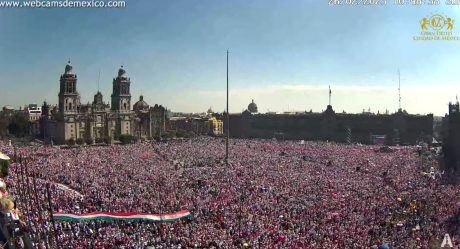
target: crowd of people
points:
(271, 195)
(12, 226)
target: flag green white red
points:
(130, 216)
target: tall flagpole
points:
(399, 88)
(228, 122)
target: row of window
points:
(34, 118)
(123, 89)
(70, 87)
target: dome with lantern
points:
(252, 107)
(141, 105)
(122, 73)
(68, 68)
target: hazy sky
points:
(283, 54)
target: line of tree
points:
(14, 123)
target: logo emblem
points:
(437, 22)
(436, 27)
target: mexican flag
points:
(130, 216)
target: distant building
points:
(216, 126)
(209, 125)
(210, 111)
(181, 123)
(8, 110)
(397, 128)
(451, 137)
(33, 113)
(150, 122)
(252, 107)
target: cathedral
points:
(98, 121)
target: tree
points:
(107, 140)
(19, 124)
(4, 168)
(70, 142)
(127, 139)
(185, 134)
(80, 141)
(116, 134)
(4, 123)
(89, 141)
(167, 135)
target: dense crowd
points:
(272, 195)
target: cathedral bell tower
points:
(69, 98)
(121, 95)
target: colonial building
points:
(396, 128)
(150, 122)
(33, 114)
(207, 126)
(97, 120)
(211, 124)
(216, 126)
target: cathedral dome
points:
(252, 107)
(141, 105)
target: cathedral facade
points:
(96, 121)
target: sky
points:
(283, 54)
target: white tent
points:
(4, 157)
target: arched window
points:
(125, 107)
(70, 106)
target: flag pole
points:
(228, 123)
(399, 88)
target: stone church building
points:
(99, 120)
